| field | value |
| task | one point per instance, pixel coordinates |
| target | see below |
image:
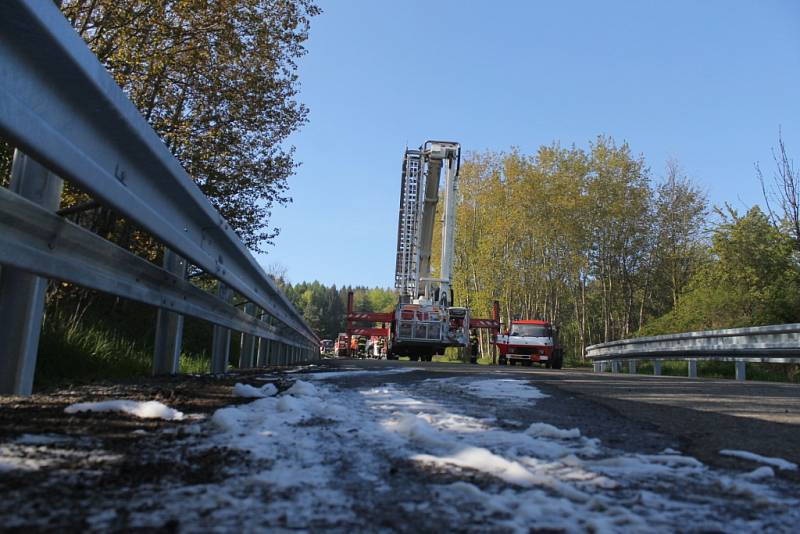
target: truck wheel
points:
(502, 361)
(558, 358)
(527, 363)
(512, 362)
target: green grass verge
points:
(80, 351)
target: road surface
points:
(353, 446)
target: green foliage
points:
(752, 278)
(73, 349)
(217, 81)
(324, 308)
(6, 155)
(583, 238)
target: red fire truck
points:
(341, 346)
(528, 342)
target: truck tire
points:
(502, 361)
(558, 359)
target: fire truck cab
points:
(341, 346)
(528, 342)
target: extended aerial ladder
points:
(425, 322)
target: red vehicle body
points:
(528, 342)
(342, 345)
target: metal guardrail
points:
(762, 344)
(61, 108)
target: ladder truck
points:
(424, 322)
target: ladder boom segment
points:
(419, 196)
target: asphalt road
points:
(702, 416)
(366, 446)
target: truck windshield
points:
(530, 330)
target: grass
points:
(73, 350)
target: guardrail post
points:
(248, 344)
(657, 367)
(263, 352)
(263, 346)
(169, 326)
(615, 366)
(692, 368)
(741, 368)
(632, 367)
(221, 344)
(21, 293)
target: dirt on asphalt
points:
(74, 474)
(629, 413)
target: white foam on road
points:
(27, 455)
(780, 463)
(248, 391)
(318, 457)
(544, 430)
(328, 375)
(503, 388)
(141, 409)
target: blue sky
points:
(705, 82)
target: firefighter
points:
(353, 346)
(473, 347)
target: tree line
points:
(324, 307)
(591, 240)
